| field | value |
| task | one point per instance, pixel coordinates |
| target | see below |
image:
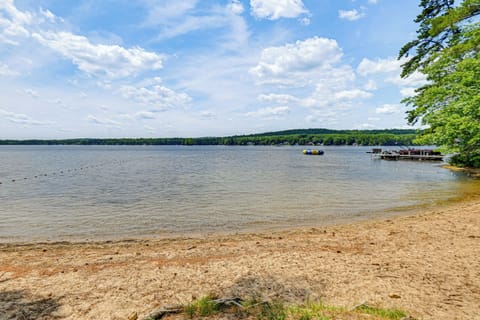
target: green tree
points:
(448, 53)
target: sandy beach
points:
(426, 263)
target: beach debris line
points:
(314, 152)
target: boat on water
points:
(313, 152)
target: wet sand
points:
(427, 263)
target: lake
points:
(51, 193)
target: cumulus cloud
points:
(313, 69)
(106, 60)
(277, 98)
(271, 112)
(414, 80)
(367, 66)
(289, 63)
(351, 15)
(276, 9)
(325, 97)
(155, 95)
(390, 69)
(407, 92)
(388, 109)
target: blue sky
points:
(158, 68)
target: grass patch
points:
(203, 307)
(211, 308)
(393, 314)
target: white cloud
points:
(372, 1)
(390, 69)
(103, 121)
(324, 116)
(371, 85)
(351, 15)
(110, 60)
(182, 17)
(365, 126)
(277, 98)
(19, 118)
(236, 7)
(290, 63)
(276, 9)
(32, 93)
(367, 66)
(305, 21)
(414, 80)
(6, 71)
(165, 11)
(342, 96)
(312, 71)
(48, 15)
(145, 115)
(13, 22)
(207, 114)
(388, 109)
(158, 97)
(271, 112)
(352, 94)
(407, 92)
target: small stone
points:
(394, 296)
(133, 316)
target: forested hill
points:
(287, 137)
(330, 131)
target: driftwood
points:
(159, 314)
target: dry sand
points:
(427, 264)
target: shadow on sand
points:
(18, 304)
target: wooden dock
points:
(407, 154)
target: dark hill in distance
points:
(317, 136)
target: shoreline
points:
(425, 263)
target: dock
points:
(407, 154)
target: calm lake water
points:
(107, 192)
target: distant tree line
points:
(288, 137)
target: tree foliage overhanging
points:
(447, 51)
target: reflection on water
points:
(79, 192)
